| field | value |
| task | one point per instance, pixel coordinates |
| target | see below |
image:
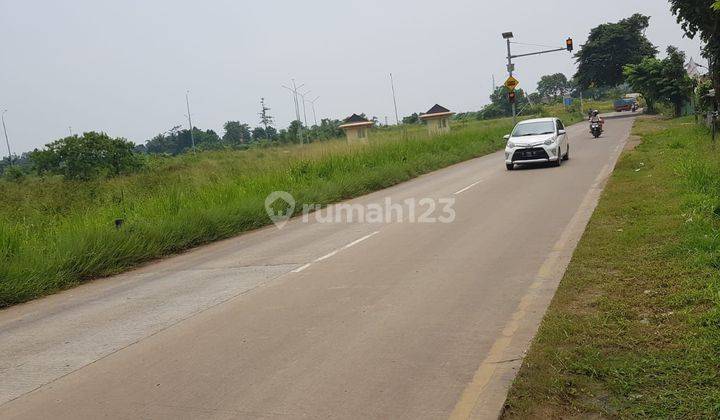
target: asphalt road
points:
(333, 320)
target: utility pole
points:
(7, 141)
(392, 85)
(511, 67)
(294, 91)
(187, 102)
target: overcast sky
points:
(123, 66)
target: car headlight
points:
(511, 145)
(549, 141)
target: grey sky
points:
(123, 66)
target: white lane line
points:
(353, 243)
(301, 268)
(325, 257)
(333, 253)
(468, 187)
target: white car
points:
(535, 141)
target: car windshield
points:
(534, 128)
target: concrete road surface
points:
(321, 320)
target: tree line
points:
(239, 136)
(94, 154)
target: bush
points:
(86, 157)
(13, 173)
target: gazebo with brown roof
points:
(356, 127)
(438, 119)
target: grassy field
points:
(634, 329)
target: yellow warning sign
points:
(511, 83)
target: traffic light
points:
(511, 97)
(569, 44)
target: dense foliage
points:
(176, 141)
(609, 48)
(702, 18)
(86, 157)
(553, 86)
(500, 105)
(661, 80)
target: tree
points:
(413, 118)
(500, 105)
(265, 119)
(677, 86)
(661, 80)
(258, 134)
(89, 156)
(609, 48)
(293, 132)
(176, 141)
(272, 133)
(236, 133)
(697, 19)
(328, 129)
(553, 86)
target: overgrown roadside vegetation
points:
(634, 329)
(55, 233)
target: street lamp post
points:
(510, 68)
(187, 102)
(313, 109)
(7, 141)
(294, 91)
(302, 98)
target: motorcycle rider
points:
(596, 118)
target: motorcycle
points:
(634, 107)
(595, 129)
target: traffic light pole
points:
(511, 66)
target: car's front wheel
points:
(558, 161)
(567, 153)
(510, 166)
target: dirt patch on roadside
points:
(632, 143)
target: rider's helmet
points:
(595, 113)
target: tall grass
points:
(55, 233)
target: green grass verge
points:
(634, 329)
